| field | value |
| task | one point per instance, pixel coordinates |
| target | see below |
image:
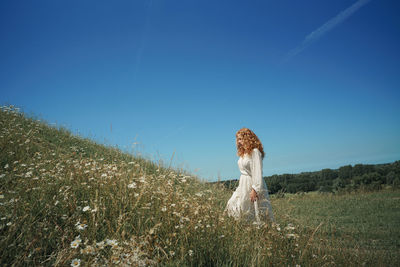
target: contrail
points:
(332, 23)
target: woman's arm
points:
(256, 170)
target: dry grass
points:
(66, 200)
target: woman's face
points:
(239, 139)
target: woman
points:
(250, 199)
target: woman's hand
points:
(253, 195)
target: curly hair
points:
(250, 141)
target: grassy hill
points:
(65, 200)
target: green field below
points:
(358, 223)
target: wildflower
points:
(172, 253)
(199, 194)
(80, 226)
(88, 250)
(190, 252)
(291, 236)
(289, 227)
(9, 223)
(76, 242)
(6, 166)
(55, 204)
(173, 205)
(164, 209)
(2, 175)
(100, 245)
(86, 209)
(132, 185)
(111, 242)
(28, 174)
(76, 262)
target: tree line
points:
(345, 178)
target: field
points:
(67, 201)
(361, 225)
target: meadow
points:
(68, 201)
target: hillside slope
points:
(66, 201)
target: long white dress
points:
(240, 205)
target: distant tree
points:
(345, 172)
(358, 170)
(396, 182)
(390, 177)
(328, 174)
(325, 189)
(338, 183)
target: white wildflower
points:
(76, 262)
(291, 236)
(190, 252)
(289, 227)
(88, 250)
(100, 245)
(76, 242)
(132, 185)
(80, 226)
(2, 175)
(86, 209)
(164, 209)
(6, 166)
(111, 242)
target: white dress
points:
(240, 205)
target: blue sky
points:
(317, 81)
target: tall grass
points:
(65, 200)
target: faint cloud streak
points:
(332, 23)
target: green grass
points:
(362, 222)
(64, 198)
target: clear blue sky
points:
(317, 81)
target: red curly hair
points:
(249, 142)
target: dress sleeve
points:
(256, 170)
